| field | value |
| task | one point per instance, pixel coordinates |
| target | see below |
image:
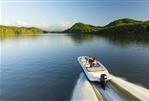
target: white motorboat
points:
(94, 72)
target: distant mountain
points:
(122, 26)
(117, 27)
(125, 21)
(82, 28)
(12, 31)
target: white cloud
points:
(22, 23)
(65, 24)
(44, 25)
(62, 25)
(19, 23)
(5, 22)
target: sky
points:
(61, 14)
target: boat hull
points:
(92, 76)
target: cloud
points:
(5, 22)
(65, 24)
(22, 23)
(18, 23)
(45, 25)
(62, 25)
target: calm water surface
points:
(45, 68)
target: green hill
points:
(121, 26)
(125, 21)
(126, 26)
(82, 28)
(6, 31)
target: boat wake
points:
(110, 93)
(134, 89)
(83, 90)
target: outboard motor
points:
(103, 78)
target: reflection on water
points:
(15, 36)
(116, 40)
(127, 40)
(45, 66)
(81, 37)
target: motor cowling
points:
(103, 78)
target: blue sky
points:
(61, 14)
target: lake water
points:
(45, 67)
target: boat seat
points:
(95, 69)
(87, 65)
